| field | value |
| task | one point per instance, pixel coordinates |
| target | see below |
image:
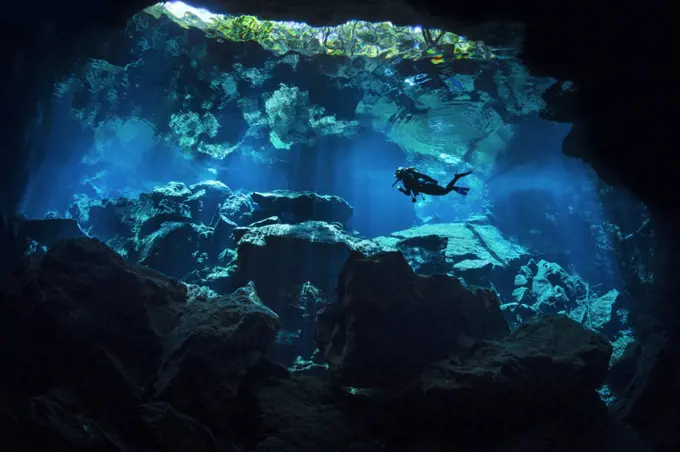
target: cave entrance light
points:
(381, 40)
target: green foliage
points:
(353, 38)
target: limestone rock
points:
(121, 222)
(210, 194)
(426, 254)
(81, 293)
(94, 337)
(521, 280)
(280, 258)
(390, 323)
(517, 313)
(550, 274)
(299, 417)
(238, 208)
(476, 252)
(546, 360)
(298, 207)
(173, 191)
(173, 431)
(174, 249)
(600, 312)
(214, 343)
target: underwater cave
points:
(237, 229)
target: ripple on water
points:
(451, 125)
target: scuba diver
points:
(416, 183)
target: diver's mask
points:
(399, 175)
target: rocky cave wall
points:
(608, 54)
(613, 55)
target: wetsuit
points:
(416, 183)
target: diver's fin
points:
(461, 190)
(463, 174)
(456, 177)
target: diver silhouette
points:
(416, 183)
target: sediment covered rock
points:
(475, 252)
(298, 207)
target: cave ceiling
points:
(442, 98)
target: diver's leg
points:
(451, 184)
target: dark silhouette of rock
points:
(391, 323)
(173, 431)
(117, 357)
(533, 390)
(212, 347)
(650, 402)
(81, 293)
(175, 248)
(545, 360)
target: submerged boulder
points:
(122, 222)
(546, 372)
(214, 344)
(600, 312)
(80, 294)
(172, 191)
(549, 277)
(280, 258)
(239, 208)
(546, 287)
(390, 323)
(99, 349)
(298, 207)
(210, 195)
(426, 253)
(173, 229)
(175, 248)
(650, 402)
(476, 252)
(553, 353)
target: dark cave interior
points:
(617, 55)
